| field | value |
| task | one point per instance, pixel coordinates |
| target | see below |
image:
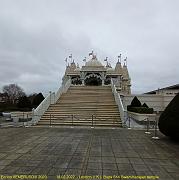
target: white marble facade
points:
(94, 73)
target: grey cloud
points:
(36, 37)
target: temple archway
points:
(93, 80)
(76, 81)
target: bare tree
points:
(14, 92)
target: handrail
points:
(62, 89)
(118, 102)
(50, 99)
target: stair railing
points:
(50, 99)
(119, 103)
(61, 90)
(82, 117)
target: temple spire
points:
(119, 59)
(125, 61)
(125, 72)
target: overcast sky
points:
(37, 35)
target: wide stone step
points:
(80, 123)
(82, 111)
(77, 113)
(85, 101)
(87, 98)
(70, 117)
(117, 123)
(92, 106)
(47, 123)
(82, 108)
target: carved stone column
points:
(83, 78)
(103, 78)
(102, 82)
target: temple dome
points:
(93, 62)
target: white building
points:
(170, 90)
(94, 73)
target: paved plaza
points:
(86, 153)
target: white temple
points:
(94, 73)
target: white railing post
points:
(118, 102)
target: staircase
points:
(84, 106)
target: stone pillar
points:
(103, 78)
(33, 116)
(83, 82)
(83, 78)
(15, 121)
(102, 82)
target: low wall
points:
(141, 117)
(157, 102)
(20, 114)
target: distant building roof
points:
(173, 87)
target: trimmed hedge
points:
(135, 102)
(145, 105)
(169, 119)
(141, 110)
(9, 107)
(137, 107)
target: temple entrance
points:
(76, 81)
(93, 82)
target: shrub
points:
(7, 107)
(145, 105)
(136, 107)
(24, 102)
(169, 119)
(141, 110)
(135, 102)
(37, 99)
